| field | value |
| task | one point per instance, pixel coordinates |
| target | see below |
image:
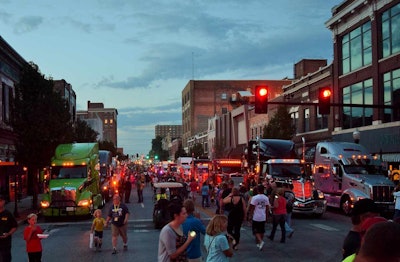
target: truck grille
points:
(382, 193)
(63, 198)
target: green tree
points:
(108, 145)
(180, 152)
(40, 120)
(280, 126)
(83, 133)
(197, 150)
(156, 149)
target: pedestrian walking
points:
(193, 224)
(205, 195)
(396, 195)
(290, 199)
(259, 208)
(193, 189)
(236, 215)
(128, 189)
(118, 216)
(217, 243)
(8, 225)
(278, 215)
(33, 242)
(172, 243)
(139, 189)
(97, 229)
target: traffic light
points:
(261, 100)
(324, 100)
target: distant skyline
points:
(137, 56)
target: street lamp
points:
(356, 136)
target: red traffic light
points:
(261, 100)
(324, 100)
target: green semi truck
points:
(74, 187)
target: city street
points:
(314, 239)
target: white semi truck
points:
(347, 172)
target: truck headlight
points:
(84, 202)
(44, 204)
(318, 194)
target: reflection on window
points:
(390, 31)
(306, 120)
(391, 85)
(357, 48)
(360, 94)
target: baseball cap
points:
(364, 206)
(369, 222)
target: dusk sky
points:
(137, 56)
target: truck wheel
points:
(346, 205)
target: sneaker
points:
(114, 251)
(261, 245)
(142, 205)
(290, 234)
(125, 247)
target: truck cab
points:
(347, 172)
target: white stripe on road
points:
(324, 227)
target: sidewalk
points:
(24, 208)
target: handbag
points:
(91, 240)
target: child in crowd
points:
(33, 242)
(98, 226)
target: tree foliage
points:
(156, 149)
(83, 133)
(108, 145)
(180, 152)
(280, 126)
(197, 150)
(40, 119)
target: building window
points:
(224, 96)
(224, 110)
(106, 121)
(306, 125)
(295, 120)
(357, 48)
(360, 94)
(322, 121)
(391, 85)
(111, 121)
(390, 31)
(6, 98)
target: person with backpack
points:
(290, 198)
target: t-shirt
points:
(215, 246)
(98, 223)
(117, 214)
(34, 244)
(204, 190)
(351, 243)
(260, 203)
(193, 224)
(7, 222)
(168, 243)
(281, 209)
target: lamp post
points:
(356, 136)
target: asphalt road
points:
(314, 239)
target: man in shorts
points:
(118, 215)
(259, 208)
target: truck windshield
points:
(231, 169)
(286, 170)
(361, 169)
(69, 172)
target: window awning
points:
(293, 109)
(391, 157)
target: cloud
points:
(28, 24)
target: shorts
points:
(98, 234)
(119, 231)
(258, 227)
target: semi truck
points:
(346, 172)
(280, 164)
(74, 187)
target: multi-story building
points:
(103, 120)
(172, 130)
(65, 90)
(366, 71)
(203, 99)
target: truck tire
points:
(346, 204)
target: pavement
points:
(22, 209)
